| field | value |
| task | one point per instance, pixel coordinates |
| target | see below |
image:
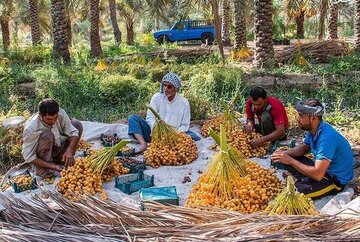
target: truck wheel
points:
(207, 38)
(162, 39)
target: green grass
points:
(127, 85)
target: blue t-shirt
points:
(328, 144)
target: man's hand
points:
(58, 168)
(257, 142)
(249, 127)
(281, 157)
(68, 158)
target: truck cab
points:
(184, 30)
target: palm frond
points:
(92, 219)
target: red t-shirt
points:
(277, 111)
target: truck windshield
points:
(179, 25)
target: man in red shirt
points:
(265, 115)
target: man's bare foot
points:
(285, 174)
(140, 149)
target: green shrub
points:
(30, 55)
(217, 83)
(138, 71)
(200, 108)
(157, 73)
(116, 89)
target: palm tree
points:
(264, 52)
(357, 25)
(6, 8)
(156, 8)
(298, 10)
(34, 22)
(60, 34)
(226, 22)
(5, 32)
(215, 11)
(113, 17)
(129, 9)
(333, 18)
(323, 12)
(240, 24)
(300, 20)
(95, 44)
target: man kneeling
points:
(332, 167)
(50, 139)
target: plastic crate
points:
(278, 165)
(107, 143)
(20, 188)
(126, 153)
(134, 182)
(164, 195)
(134, 168)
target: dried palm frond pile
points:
(319, 51)
(235, 133)
(168, 147)
(232, 182)
(291, 202)
(87, 174)
(109, 221)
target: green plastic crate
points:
(20, 188)
(135, 168)
(134, 182)
(164, 195)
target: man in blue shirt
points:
(332, 167)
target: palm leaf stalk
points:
(291, 202)
(103, 159)
(161, 130)
(226, 166)
(112, 221)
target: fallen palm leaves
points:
(112, 221)
(168, 147)
(319, 51)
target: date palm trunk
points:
(264, 52)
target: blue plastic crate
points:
(164, 195)
(134, 182)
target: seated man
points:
(50, 139)
(173, 108)
(265, 115)
(332, 167)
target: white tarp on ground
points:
(173, 175)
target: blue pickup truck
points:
(187, 30)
